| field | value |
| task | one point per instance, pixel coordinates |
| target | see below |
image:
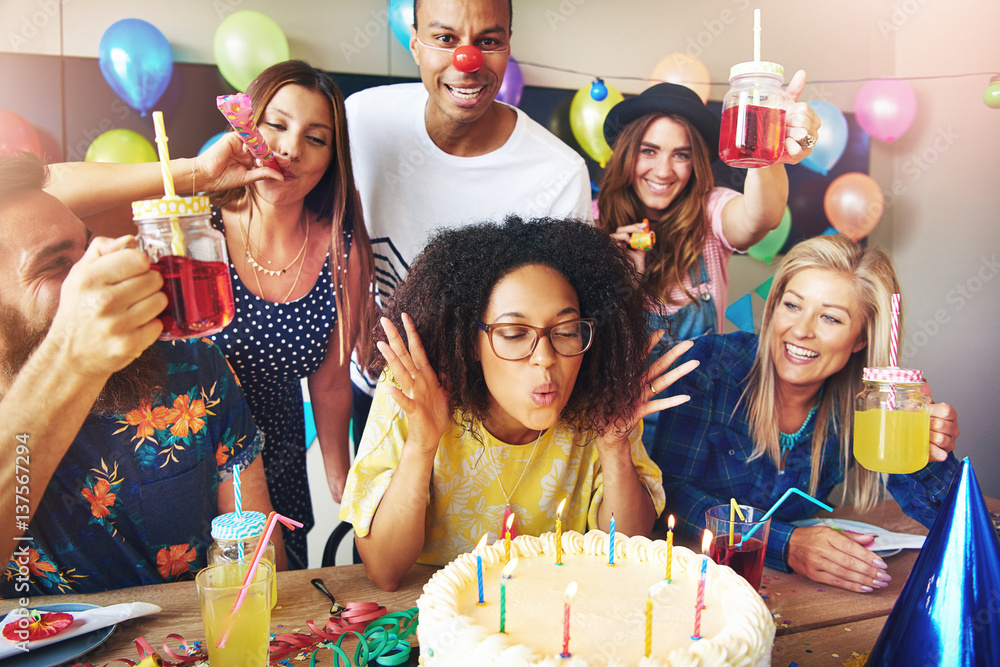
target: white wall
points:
(941, 224)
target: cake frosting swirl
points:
(607, 618)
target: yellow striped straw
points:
(177, 236)
(734, 509)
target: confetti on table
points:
(847, 629)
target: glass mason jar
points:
(235, 539)
(753, 115)
(891, 421)
(177, 236)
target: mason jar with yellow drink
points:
(891, 421)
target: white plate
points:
(856, 526)
(61, 653)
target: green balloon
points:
(247, 43)
(123, 146)
(768, 247)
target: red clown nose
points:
(467, 58)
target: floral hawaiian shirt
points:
(132, 500)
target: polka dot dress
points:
(272, 346)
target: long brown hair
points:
(680, 230)
(334, 199)
(870, 271)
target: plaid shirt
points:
(703, 448)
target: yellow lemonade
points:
(249, 632)
(895, 441)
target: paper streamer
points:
(238, 111)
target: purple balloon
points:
(513, 84)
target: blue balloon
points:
(832, 138)
(208, 144)
(401, 20)
(598, 90)
(136, 61)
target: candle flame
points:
(655, 589)
(570, 590)
(562, 506)
(706, 540)
(482, 543)
(670, 522)
(508, 569)
(510, 522)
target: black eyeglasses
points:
(517, 341)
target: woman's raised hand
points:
(800, 122)
(623, 235)
(657, 378)
(228, 164)
(418, 392)
(837, 558)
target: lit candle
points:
(506, 538)
(570, 592)
(479, 565)
(508, 572)
(699, 603)
(611, 542)
(562, 506)
(653, 591)
(670, 547)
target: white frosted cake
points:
(607, 616)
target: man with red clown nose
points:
(446, 153)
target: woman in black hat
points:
(664, 141)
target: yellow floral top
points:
(465, 499)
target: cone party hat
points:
(948, 612)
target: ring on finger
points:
(808, 141)
(652, 389)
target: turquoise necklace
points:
(788, 440)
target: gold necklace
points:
(250, 258)
(508, 510)
(246, 243)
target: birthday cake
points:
(607, 623)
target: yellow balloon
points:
(586, 119)
(680, 68)
(122, 146)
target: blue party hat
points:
(948, 612)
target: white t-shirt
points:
(409, 187)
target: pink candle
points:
(699, 603)
(570, 592)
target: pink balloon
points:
(17, 134)
(854, 204)
(885, 108)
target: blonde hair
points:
(680, 229)
(870, 271)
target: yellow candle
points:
(670, 547)
(650, 594)
(562, 505)
(734, 509)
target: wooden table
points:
(817, 625)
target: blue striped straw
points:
(775, 506)
(236, 490)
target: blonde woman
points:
(775, 412)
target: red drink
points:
(200, 297)
(752, 136)
(746, 557)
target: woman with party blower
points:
(521, 381)
(773, 412)
(664, 141)
(300, 263)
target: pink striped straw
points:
(258, 553)
(893, 347)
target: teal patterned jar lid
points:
(234, 527)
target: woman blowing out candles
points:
(775, 412)
(522, 380)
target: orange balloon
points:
(685, 70)
(854, 204)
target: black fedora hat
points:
(665, 98)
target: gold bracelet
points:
(194, 163)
